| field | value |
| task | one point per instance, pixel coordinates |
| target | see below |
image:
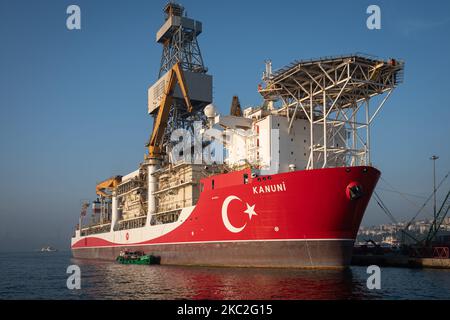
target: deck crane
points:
(105, 188)
(175, 74)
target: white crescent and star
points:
(226, 221)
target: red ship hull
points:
(298, 219)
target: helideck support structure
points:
(334, 94)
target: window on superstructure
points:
(212, 184)
(245, 178)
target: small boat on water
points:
(137, 257)
(48, 249)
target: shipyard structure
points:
(281, 184)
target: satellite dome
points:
(210, 110)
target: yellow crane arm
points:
(160, 124)
(109, 184)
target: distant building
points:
(391, 241)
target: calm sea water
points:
(43, 276)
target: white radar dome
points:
(210, 110)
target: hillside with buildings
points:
(391, 234)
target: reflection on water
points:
(43, 276)
(107, 280)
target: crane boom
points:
(160, 123)
(108, 184)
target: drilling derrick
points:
(178, 36)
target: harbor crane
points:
(438, 220)
(424, 246)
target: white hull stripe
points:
(200, 242)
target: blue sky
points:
(73, 103)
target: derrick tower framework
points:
(334, 95)
(178, 36)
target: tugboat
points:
(136, 257)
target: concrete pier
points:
(399, 261)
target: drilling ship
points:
(281, 184)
